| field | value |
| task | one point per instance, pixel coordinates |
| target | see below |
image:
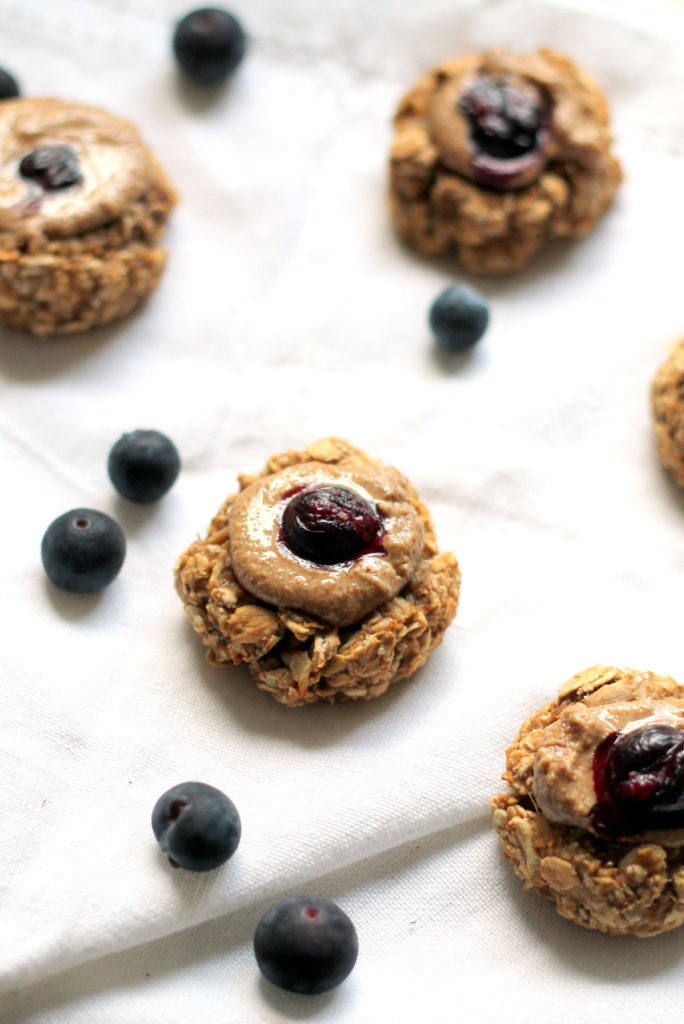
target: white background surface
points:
(289, 312)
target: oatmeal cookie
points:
(667, 404)
(83, 204)
(495, 153)
(323, 575)
(594, 816)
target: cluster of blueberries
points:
(303, 944)
(83, 550)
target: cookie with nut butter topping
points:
(323, 575)
(83, 205)
(495, 153)
(594, 816)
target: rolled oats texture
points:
(667, 408)
(297, 657)
(443, 213)
(76, 258)
(627, 887)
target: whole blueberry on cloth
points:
(9, 87)
(197, 826)
(305, 944)
(143, 465)
(208, 44)
(83, 550)
(459, 316)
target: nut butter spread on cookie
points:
(350, 541)
(500, 118)
(615, 769)
(497, 153)
(108, 167)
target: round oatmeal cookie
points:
(594, 816)
(83, 204)
(495, 154)
(667, 405)
(323, 575)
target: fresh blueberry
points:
(329, 525)
(209, 44)
(143, 465)
(305, 944)
(509, 127)
(9, 87)
(458, 317)
(639, 781)
(53, 167)
(83, 550)
(197, 826)
(505, 121)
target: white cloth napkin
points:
(289, 312)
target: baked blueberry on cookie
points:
(83, 204)
(667, 405)
(496, 153)
(594, 816)
(323, 575)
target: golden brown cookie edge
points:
(620, 888)
(313, 661)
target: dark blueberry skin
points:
(9, 87)
(197, 826)
(509, 128)
(83, 550)
(330, 525)
(209, 43)
(52, 167)
(459, 316)
(143, 465)
(639, 781)
(305, 944)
